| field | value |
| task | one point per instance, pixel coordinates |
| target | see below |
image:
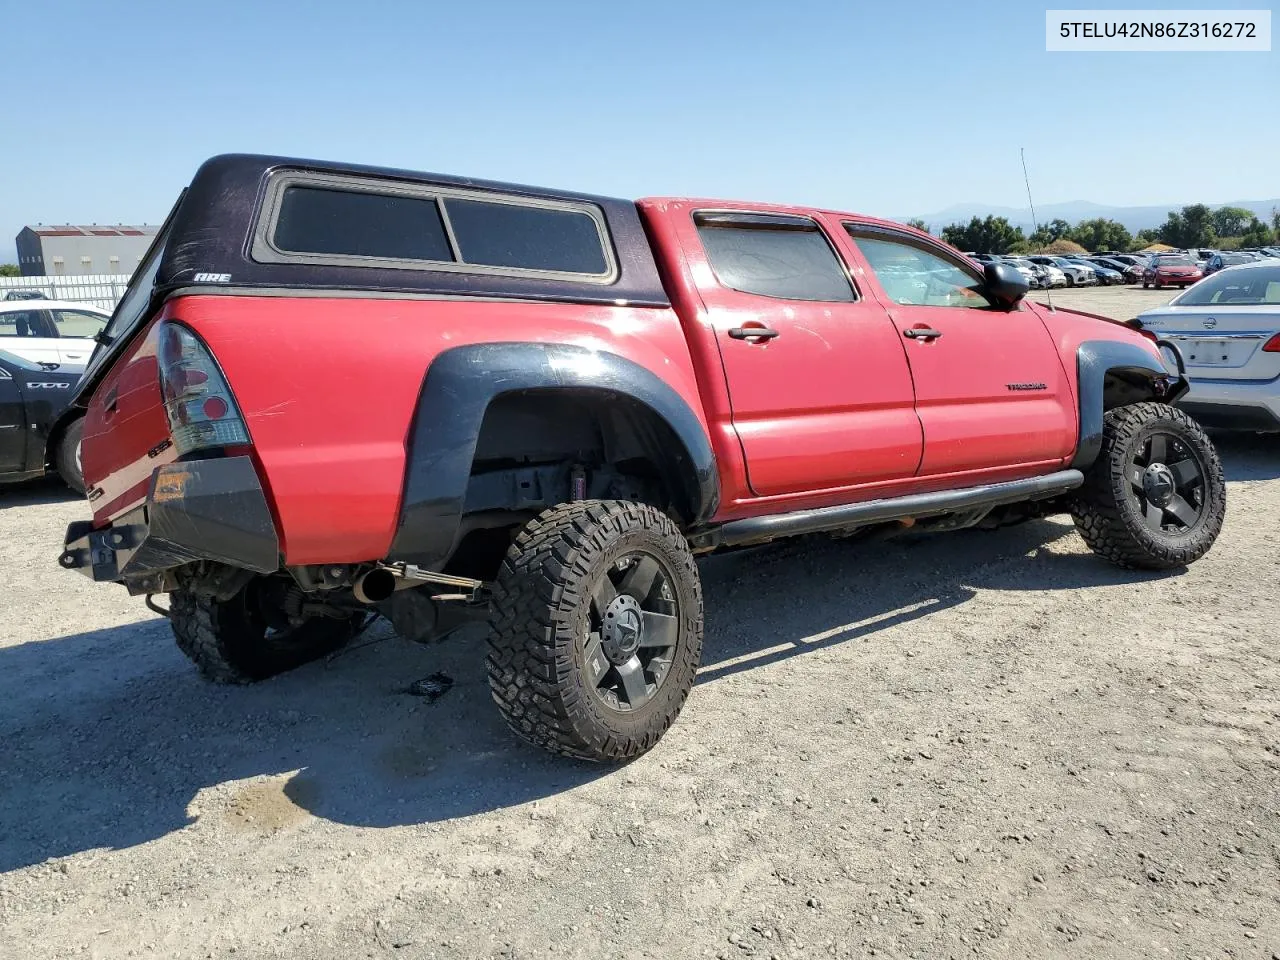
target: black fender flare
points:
(456, 392)
(1094, 360)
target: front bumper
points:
(1234, 405)
(195, 510)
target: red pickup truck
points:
(335, 390)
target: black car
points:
(32, 395)
(1130, 272)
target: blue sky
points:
(880, 107)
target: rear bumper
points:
(196, 510)
(1224, 405)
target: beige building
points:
(56, 251)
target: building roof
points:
(92, 230)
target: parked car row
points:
(1177, 268)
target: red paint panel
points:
(972, 419)
(328, 388)
(826, 404)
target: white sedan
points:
(1227, 327)
(50, 331)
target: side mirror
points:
(1005, 284)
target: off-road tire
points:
(230, 645)
(1110, 520)
(540, 622)
(66, 459)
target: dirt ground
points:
(974, 744)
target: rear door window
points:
(784, 257)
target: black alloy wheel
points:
(634, 624)
(1168, 481)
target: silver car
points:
(1227, 327)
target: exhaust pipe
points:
(380, 583)
(374, 586)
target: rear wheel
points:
(1155, 498)
(67, 457)
(250, 637)
(596, 629)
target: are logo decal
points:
(34, 385)
(213, 278)
(1027, 386)
(1210, 323)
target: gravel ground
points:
(1121, 302)
(972, 744)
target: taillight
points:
(202, 412)
(1272, 345)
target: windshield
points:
(1235, 288)
(1173, 262)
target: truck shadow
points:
(111, 740)
(1249, 456)
(30, 493)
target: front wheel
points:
(596, 629)
(1155, 498)
(251, 636)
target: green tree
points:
(9, 270)
(1191, 227)
(989, 235)
(1101, 234)
(1275, 220)
(1145, 238)
(918, 224)
(1257, 234)
(1055, 229)
(1232, 221)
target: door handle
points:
(922, 333)
(753, 334)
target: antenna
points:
(1031, 203)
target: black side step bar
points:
(757, 529)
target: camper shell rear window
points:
(358, 221)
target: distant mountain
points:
(1134, 218)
